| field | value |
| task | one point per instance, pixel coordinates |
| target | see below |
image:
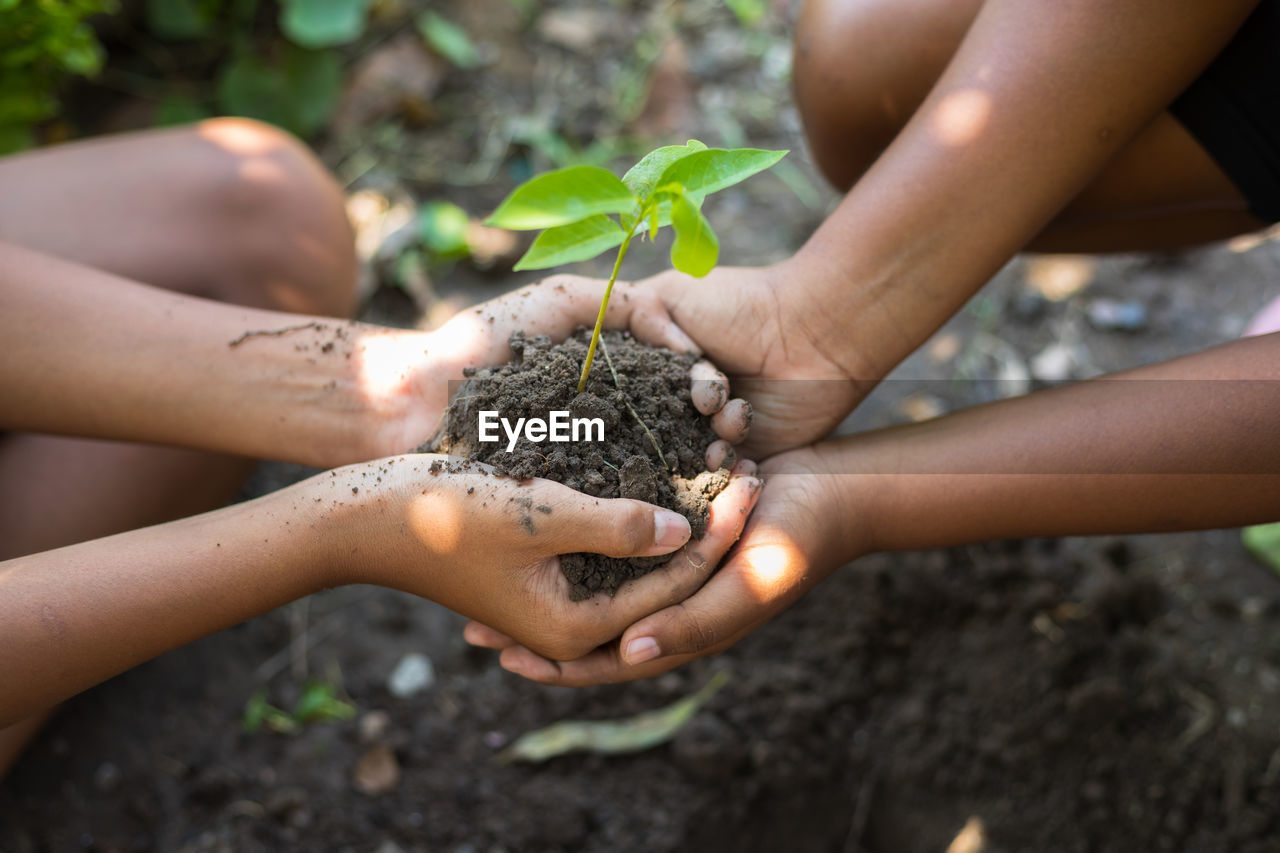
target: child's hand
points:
(411, 371)
(486, 546)
(758, 325)
(789, 545)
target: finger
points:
(733, 422)
(758, 581)
(640, 310)
(689, 569)
(710, 388)
(477, 634)
(744, 468)
(615, 527)
(601, 666)
(720, 454)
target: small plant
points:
(319, 703)
(42, 44)
(667, 187)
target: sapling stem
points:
(604, 304)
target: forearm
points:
(1188, 444)
(91, 354)
(72, 617)
(1039, 97)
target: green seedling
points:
(317, 704)
(577, 206)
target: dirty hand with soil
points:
(126, 361)
(1013, 132)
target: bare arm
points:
(72, 617)
(1184, 445)
(88, 353)
(1039, 97)
(92, 354)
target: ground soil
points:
(654, 442)
(1106, 694)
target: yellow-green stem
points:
(604, 304)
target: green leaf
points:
(313, 80)
(577, 241)
(443, 228)
(696, 249)
(323, 23)
(749, 12)
(179, 20)
(643, 177)
(249, 87)
(448, 40)
(561, 197)
(179, 109)
(612, 737)
(299, 96)
(1264, 541)
(704, 172)
(319, 704)
(15, 138)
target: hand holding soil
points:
(486, 545)
(788, 546)
(763, 327)
(414, 369)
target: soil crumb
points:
(654, 439)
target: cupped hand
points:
(487, 546)
(798, 534)
(417, 367)
(776, 345)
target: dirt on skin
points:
(654, 443)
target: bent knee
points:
(862, 67)
(277, 215)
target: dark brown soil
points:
(654, 440)
(1074, 696)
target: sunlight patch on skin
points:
(383, 364)
(962, 116)
(438, 520)
(769, 568)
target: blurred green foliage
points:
(42, 43)
(279, 61)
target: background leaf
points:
(448, 40)
(443, 227)
(561, 197)
(696, 249)
(298, 96)
(704, 172)
(179, 20)
(612, 737)
(642, 178)
(1263, 540)
(323, 23)
(577, 241)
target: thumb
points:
(617, 527)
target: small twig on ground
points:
(618, 383)
(861, 811)
(272, 333)
(1205, 713)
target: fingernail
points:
(642, 649)
(670, 529)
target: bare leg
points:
(862, 67)
(229, 210)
